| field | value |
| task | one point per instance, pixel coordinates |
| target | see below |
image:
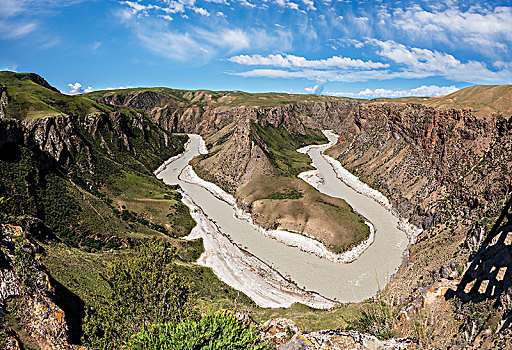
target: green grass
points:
(30, 96)
(220, 98)
(80, 272)
(151, 200)
(311, 319)
(286, 194)
(282, 146)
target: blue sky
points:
(338, 47)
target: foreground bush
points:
(144, 289)
(214, 331)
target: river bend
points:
(342, 282)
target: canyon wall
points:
(432, 163)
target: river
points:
(342, 282)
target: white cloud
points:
(12, 69)
(426, 63)
(196, 42)
(17, 17)
(424, 90)
(76, 88)
(247, 3)
(120, 88)
(200, 44)
(404, 63)
(317, 89)
(9, 30)
(483, 28)
(167, 7)
(310, 4)
(292, 61)
(166, 17)
(96, 45)
(137, 7)
(201, 11)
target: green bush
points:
(214, 331)
(144, 289)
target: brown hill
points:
(483, 99)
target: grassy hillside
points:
(30, 96)
(282, 147)
(218, 98)
(88, 196)
(484, 99)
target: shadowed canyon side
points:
(445, 170)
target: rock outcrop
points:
(431, 163)
(26, 284)
(63, 139)
(3, 102)
(286, 335)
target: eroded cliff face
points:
(237, 153)
(244, 160)
(432, 163)
(65, 139)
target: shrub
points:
(144, 289)
(214, 331)
(377, 318)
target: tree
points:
(145, 289)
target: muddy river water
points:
(344, 282)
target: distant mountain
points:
(483, 99)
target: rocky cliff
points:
(64, 160)
(27, 291)
(432, 163)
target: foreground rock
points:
(26, 284)
(280, 330)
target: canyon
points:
(443, 164)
